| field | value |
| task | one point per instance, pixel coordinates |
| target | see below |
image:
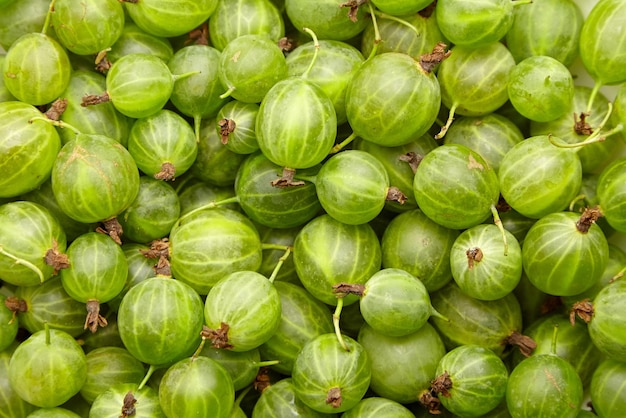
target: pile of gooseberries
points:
(330, 208)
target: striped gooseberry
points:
(332, 71)
(60, 364)
(27, 150)
(10, 402)
(89, 29)
(475, 24)
(544, 385)
(320, 266)
(455, 187)
(8, 323)
(107, 366)
(270, 206)
(536, 26)
(198, 96)
(241, 311)
(49, 304)
(163, 145)
(412, 88)
(31, 244)
(160, 320)
(137, 84)
(610, 193)
(94, 179)
(565, 253)
(395, 303)
(209, 244)
(231, 20)
(541, 88)
(473, 81)
(302, 318)
(492, 136)
(242, 366)
(284, 137)
(414, 243)
(329, 19)
(153, 212)
(120, 397)
(328, 378)
(352, 186)
(197, 386)
(97, 273)
(41, 81)
(400, 163)
(236, 124)
(249, 66)
(573, 343)
(593, 156)
(600, 38)
(481, 266)
(492, 324)
(471, 381)
(402, 367)
(551, 184)
(606, 324)
(103, 119)
(135, 40)
(607, 390)
(279, 399)
(159, 18)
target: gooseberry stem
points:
(197, 120)
(592, 96)
(58, 123)
(575, 200)
(338, 147)
(24, 263)
(316, 51)
(151, 370)
(445, 127)
(595, 136)
(517, 2)
(336, 316)
(377, 37)
(498, 222)
(177, 77)
(227, 93)
(199, 349)
(280, 263)
(618, 275)
(46, 23)
(209, 205)
(554, 334)
(397, 20)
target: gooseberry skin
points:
(27, 151)
(160, 18)
(139, 85)
(297, 124)
(392, 100)
(395, 303)
(544, 385)
(538, 178)
(493, 274)
(88, 29)
(548, 27)
(601, 42)
(561, 260)
(611, 191)
(474, 23)
(94, 178)
(455, 187)
(36, 81)
(607, 388)
(478, 379)
(323, 365)
(474, 80)
(607, 327)
(541, 88)
(48, 368)
(352, 186)
(326, 18)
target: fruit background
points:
(292, 208)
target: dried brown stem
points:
(354, 8)
(583, 309)
(94, 99)
(429, 62)
(345, 289)
(287, 179)
(581, 126)
(395, 195)
(526, 344)
(588, 218)
(474, 255)
(112, 228)
(333, 397)
(128, 408)
(94, 319)
(218, 337)
(227, 127)
(167, 173)
(56, 259)
(56, 109)
(413, 159)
